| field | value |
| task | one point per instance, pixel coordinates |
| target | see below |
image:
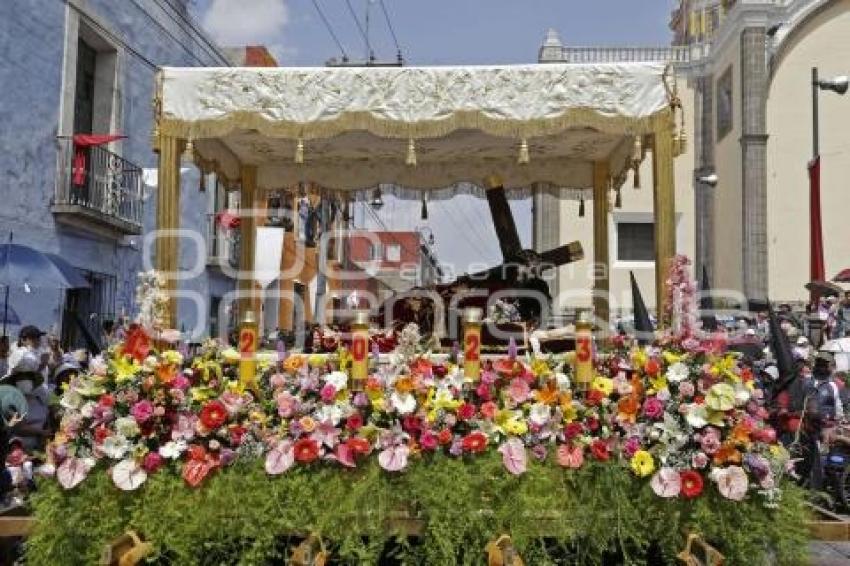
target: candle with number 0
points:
(472, 343)
(248, 334)
(359, 349)
(584, 355)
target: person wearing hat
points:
(30, 338)
(802, 350)
(24, 375)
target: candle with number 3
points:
(584, 355)
(359, 349)
(248, 334)
(472, 343)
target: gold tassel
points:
(618, 200)
(683, 142)
(581, 208)
(411, 153)
(636, 177)
(189, 152)
(155, 138)
(299, 151)
(202, 185)
(424, 214)
(612, 199)
(637, 158)
(523, 157)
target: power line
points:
(330, 30)
(360, 27)
(213, 48)
(390, 26)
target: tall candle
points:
(472, 343)
(359, 349)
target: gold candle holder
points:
(359, 349)
(584, 353)
(248, 335)
(472, 320)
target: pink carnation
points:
(142, 411)
(328, 393)
(152, 462)
(519, 390)
(653, 408)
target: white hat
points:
(22, 360)
(751, 332)
(772, 372)
(802, 341)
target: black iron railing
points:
(100, 181)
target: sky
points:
(436, 32)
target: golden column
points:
(601, 261)
(168, 218)
(249, 299)
(664, 203)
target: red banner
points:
(816, 266)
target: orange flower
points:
(628, 408)
(740, 435)
(548, 394)
(727, 454)
(308, 424)
(293, 363)
(420, 366)
(637, 386)
(404, 384)
(166, 373)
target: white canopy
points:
(356, 125)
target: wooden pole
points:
(247, 285)
(168, 218)
(664, 202)
(601, 260)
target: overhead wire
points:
(330, 29)
(189, 21)
(390, 26)
(359, 27)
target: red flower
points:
(445, 436)
(101, 433)
(306, 450)
(213, 415)
(354, 422)
(236, 434)
(599, 449)
(359, 445)
(652, 367)
(137, 344)
(594, 397)
(411, 424)
(572, 430)
(107, 400)
(592, 424)
(474, 442)
(466, 411)
(691, 483)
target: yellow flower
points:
(603, 384)
(639, 358)
(379, 404)
(308, 423)
(261, 418)
(125, 369)
(173, 357)
(235, 387)
(642, 463)
(230, 356)
(672, 358)
(515, 426)
(444, 400)
(201, 394)
(540, 368)
(657, 383)
(721, 397)
(344, 357)
(316, 360)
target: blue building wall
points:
(33, 39)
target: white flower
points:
(98, 366)
(455, 377)
(404, 403)
(71, 399)
(742, 395)
(87, 410)
(128, 475)
(127, 426)
(332, 413)
(539, 414)
(339, 379)
(697, 415)
(563, 381)
(677, 372)
(173, 449)
(116, 446)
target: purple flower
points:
(226, 456)
(631, 446)
(539, 452)
(456, 449)
(360, 400)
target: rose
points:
(594, 397)
(631, 446)
(306, 450)
(653, 408)
(652, 367)
(354, 421)
(328, 393)
(286, 404)
(475, 442)
(691, 483)
(710, 441)
(572, 430)
(488, 410)
(466, 411)
(599, 450)
(519, 390)
(359, 445)
(445, 436)
(277, 381)
(142, 411)
(686, 390)
(152, 462)
(699, 460)
(213, 415)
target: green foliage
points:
(240, 514)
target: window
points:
(394, 252)
(374, 251)
(84, 91)
(635, 241)
(724, 104)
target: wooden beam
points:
(601, 258)
(664, 204)
(248, 227)
(168, 218)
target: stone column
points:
(601, 261)
(248, 228)
(168, 219)
(664, 204)
(704, 201)
(546, 230)
(754, 82)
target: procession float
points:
(607, 449)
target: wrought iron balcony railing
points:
(98, 190)
(223, 244)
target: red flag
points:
(816, 267)
(81, 141)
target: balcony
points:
(674, 54)
(102, 194)
(223, 244)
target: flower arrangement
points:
(504, 312)
(681, 417)
(151, 300)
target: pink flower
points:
(631, 446)
(394, 458)
(277, 380)
(184, 428)
(686, 389)
(328, 393)
(280, 458)
(152, 462)
(519, 390)
(653, 408)
(345, 455)
(233, 402)
(142, 411)
(466, 411)
(666, 483)
(513, 456)
(710, 441)
(731, 482)
(483, 391)
(180, 382)
(488, 410)
(428, 440)
(699, 460)
(286, 404)
(571, 456)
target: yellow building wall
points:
(823, 41)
